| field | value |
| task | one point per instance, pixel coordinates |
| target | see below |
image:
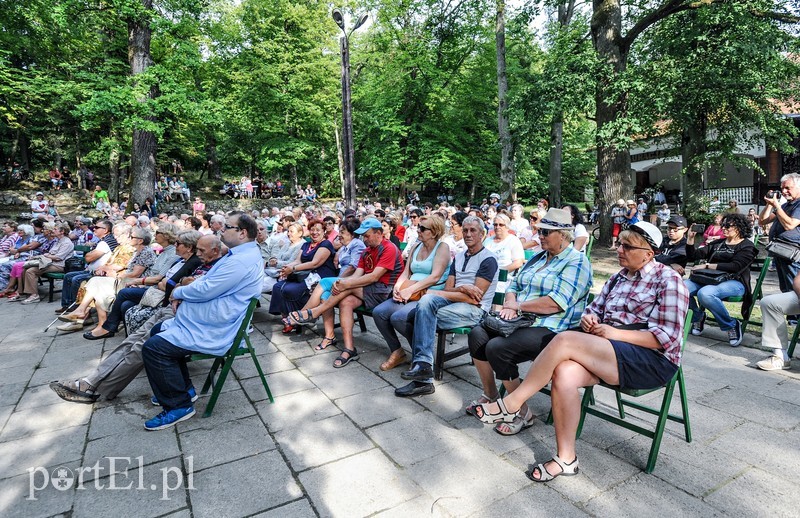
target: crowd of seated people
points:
(418, 271)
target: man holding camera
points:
(785, 220)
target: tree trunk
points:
(212, 161)
(144, 145)
(613, 163)
(507, 173)
(556, 155)
(565, 12)
(693, 153)
(113, 169)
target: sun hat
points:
(649, 232)
(557, 219)
(630, 202)
(621, 201)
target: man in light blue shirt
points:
(208, 313)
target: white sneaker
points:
(774, 363)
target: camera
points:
(698, 228)
(772, 194)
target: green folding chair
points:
(757, 293)
(226, 361)
(662, 412)
(589, 245)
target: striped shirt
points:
(566, 280)
(655, 295)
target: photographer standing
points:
(785, 220)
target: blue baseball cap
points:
(368, 224)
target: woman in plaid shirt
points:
(631, 337)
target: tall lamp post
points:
(348, 154)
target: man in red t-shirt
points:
(378, 269)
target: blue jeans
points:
(72, 282)
(166, 369)
(391, 317)
(126, 299)
(435, 312)
(710, 297)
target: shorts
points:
(617, 229)
(376, 293)
(640, 367)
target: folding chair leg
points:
(438, 360)
(50, 291)
(258, 368)
(687, 427)
(211, 373)
(620, 405)
(588, 395)
(361, 322)
(793, 343)
(223, 374)
(659, 431)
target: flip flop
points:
(351, 356)
(297, 318)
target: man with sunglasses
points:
(673, 253)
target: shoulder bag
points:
(492, 322)
(784, 249)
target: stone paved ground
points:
(338, 443)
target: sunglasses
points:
(628, 248)
(423, 228)
(534, 218)
(228, 227)
(544, 232)
(414, 216)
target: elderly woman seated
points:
(167, 261)
(506, 246)
(102, 288)
(426, 270)
(282, 254)
(631, 337)
(554, 286)
(52, 261)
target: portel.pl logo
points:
(115, 477)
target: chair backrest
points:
(403, 246)
(528, 254)
(761, 276)
(588, 247)
(242, 331)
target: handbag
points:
(298, 276)
(492, 322)
(74, 264)
(709, 277)
(784, 249)
(39, 261)
(417, 295)
(152, 297)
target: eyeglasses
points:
(499, 224)
(628, 248)
(423, 228)
(674, 229)
(228, 227)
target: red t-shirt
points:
(388, 259)
(400, 232)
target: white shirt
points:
(580, 231)
(507, 251)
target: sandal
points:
(325, 343)
(503, 416)
(351, 356)
(297, 318)
(470, 410)
(517, 425)
(567, 469)
(71, 391)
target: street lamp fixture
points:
(348, 154)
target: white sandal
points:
(567, 469)
(503, 416)
(470, 410)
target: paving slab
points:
(352, 379)
(221, 490)
(280, 384)
(306, 406)
(46, 449)
(312, 444)
(43, 419)
(216, 445)
(19, 498)
(129, 443)
(378, 485)
(297, 509)
(378, 406)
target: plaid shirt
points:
(566, 280)
(656, 296)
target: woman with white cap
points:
(618, 218)
(554, 286)
(631, 337)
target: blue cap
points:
(368, 224)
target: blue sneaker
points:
(170, 418)
(192, 394)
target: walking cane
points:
(61, 315)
